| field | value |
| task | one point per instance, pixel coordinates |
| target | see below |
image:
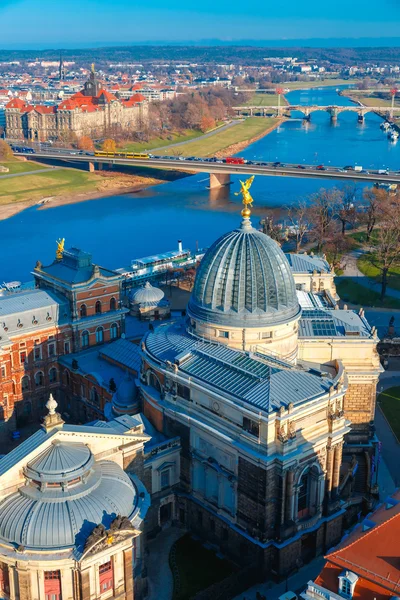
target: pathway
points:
(201, 137)
(34, 172)
(161, 583)
(351, 271)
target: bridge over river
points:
(221, 171)
(285, 110)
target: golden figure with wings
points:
(246, 196)
(60, 248)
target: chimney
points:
(180, 245)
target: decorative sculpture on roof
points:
(246, 196)
(60, 248)
(51, 405)
(101, 537)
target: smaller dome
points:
(147, 295)
(60, 462)
(124, 399)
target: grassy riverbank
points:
(263, 100)
(20, 166)
(160, 142)
(302, 85)
(244, 132)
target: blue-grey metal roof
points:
(332, 323)
(259, 380)
(75, 267)
(61, 461)
(31, 309)
(91, 362)
(123, 352)
(43, 518)
(244, 280)
(146, 295)
(305, 263)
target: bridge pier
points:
(218, 180)
(360, 118)
(91, 167)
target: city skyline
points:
(124, 23)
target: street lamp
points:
(393, 93)
(279, 91)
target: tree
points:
(298, 217)
(85, 143)
(5, 151)
(336, 247)
(109, 145)
(347, 209)
(386, 243)
(271, 228)
(376, 199)
(322, 210)
(112, 386)
(207, 123)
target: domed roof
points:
(66, 494)
(244, 280)
(147, 295)
(124, 399)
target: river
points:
(120, 228)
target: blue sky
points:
(59, 23)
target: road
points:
(202, 137)
(34, 172)
(209, 166)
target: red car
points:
(234, 160)
(321, 168)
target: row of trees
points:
(328, 215)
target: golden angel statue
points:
(60, 248)
(246, 196)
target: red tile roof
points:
(373, 555)
(15, 103)
(107, 95)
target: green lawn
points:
(159, 142)
(18, 166)
(264, 100)
(198, 568)
(373, 272)
(241, 132)
(41, 185)
(389, 401)
(355, 293)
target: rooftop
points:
(307, 263)
(322, 322)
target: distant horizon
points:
(312, 42)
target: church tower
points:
(92, 86)
(61, 68)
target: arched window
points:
(85, 339)
(99, 335)
(308, 497)
(39, 379)
(94, 396)
(153, 381)
(113, 304)
(114, 331)
(66, 378)
(98, 307)
(83, 310)
(27, 408)
(53, 375)
(25, 383)
(303, 496)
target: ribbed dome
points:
(66, 494)
(125, 398)
(244, 280)
(147, 295)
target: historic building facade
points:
(262, 393)
(90, 112)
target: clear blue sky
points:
(59, 23)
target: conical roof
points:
(60, 462)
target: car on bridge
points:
(300, 166)
(321, 168)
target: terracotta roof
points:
(15, 103)
(45, 110)
(107, 95)
(67, 105)
(373, 554)
(137, 86)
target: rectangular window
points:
(22, 357)
(51, 349)
(3, 372)
(106, 577)
(251, 426)
(346, 587)
(265, 335)
(52, 585)
(223, 334)
(4, 579)
(66, 347)
(37, 353)
(183, 391)
(165, 479)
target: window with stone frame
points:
(52, 585)
(106, 577)
(85, 339)
(251, 426)
(165, 479)
(183, 391)
(346, 587)
(4, 580)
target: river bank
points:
(238, 147)
(106, 183)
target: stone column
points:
(289, 495)
(24, 583)
(329, 469)
(128, 570)
(284, 477)
(336, 467)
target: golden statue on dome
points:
(60, 248)
(246, 196)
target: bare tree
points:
(376, 199)
(386, 243)
(347, 209)
(323, 208)
(298, 217)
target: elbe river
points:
(118, 229)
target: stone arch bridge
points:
(333, 110)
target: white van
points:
(288, 596)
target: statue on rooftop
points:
(246, 196)
(60, 248)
